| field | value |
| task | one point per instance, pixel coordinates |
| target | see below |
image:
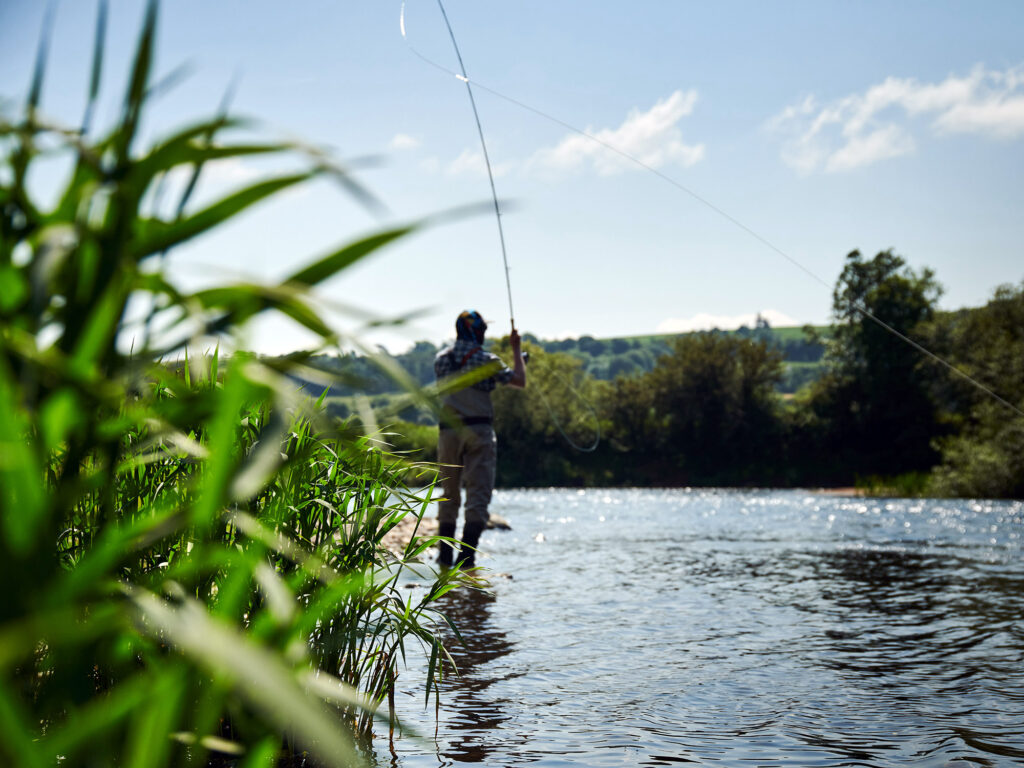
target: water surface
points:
(659, 627)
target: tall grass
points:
(191, 553)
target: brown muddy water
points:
(664, 627)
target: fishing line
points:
(558, 425)
(487, 160)
(707, 203)
(501, 233)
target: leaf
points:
(138, 84)
(16, 731)
(258, 674)
(223, 446)
(64, 627)
(100, 326)
(42, 53)
(102, 713)
(14, 288)
(246, 300)
(99, 43)
(334, 262)
(263, 460)
(280, 601)
(431, 668)
(60, 414)
(22, 498)
(155, 235)
(185, 151)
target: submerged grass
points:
(192, 553)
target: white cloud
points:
(403, 141)
(706, 322)
(864, 128)
(472, 161)
(890, 141)
(653, 137)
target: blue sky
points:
(822, 126)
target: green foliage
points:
(604, 359)
(706, 414)
(530, 423)
(192, 554)
(872, 414)
(905, 486)
(985, 457)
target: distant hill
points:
(603, 359)
(609, 358)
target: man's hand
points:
(518, 364)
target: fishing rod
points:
(864, 311)
(461, 75)
(487, 160)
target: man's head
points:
(470, 326)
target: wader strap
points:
(451, 420)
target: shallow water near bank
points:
(734, 628)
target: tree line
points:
(707, 413)
(604, 359)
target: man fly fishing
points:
(466, 445)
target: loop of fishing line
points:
(558, 425)
(707, 203)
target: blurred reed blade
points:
(101, 714)
(224, 446)
(99, 43)
(63, 627)
(138, 84)
(156, 236)
(99, 329)
(148, 743)
(244, 301)
(197, 168)
(263, 460)
(42, 54)
(16, 732)
(20, 470)
(331, 264)
(267, 685)
(175, 149)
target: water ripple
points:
(726, 628)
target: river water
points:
(734, 628)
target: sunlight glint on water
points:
(657, 627)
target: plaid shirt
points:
(447, 362)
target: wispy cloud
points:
(652, 137)
(472, 161)
(706, 322)
(880, 123)
(402, 141)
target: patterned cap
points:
(470, 326)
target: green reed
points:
(192, 552)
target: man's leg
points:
(480, 458)
(450, 459)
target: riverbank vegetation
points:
(876, 412)
(191, 550)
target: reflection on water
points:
(735, 629)
(466, 690)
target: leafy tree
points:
(985, 458)
(705, 414)
(873, 412)
(535, 425)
